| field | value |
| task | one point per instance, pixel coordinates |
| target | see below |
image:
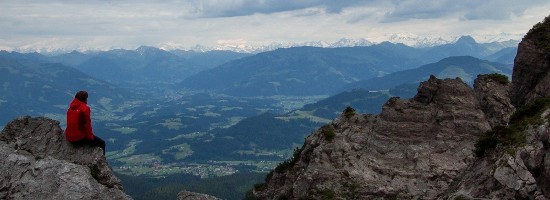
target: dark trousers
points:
(98, 142)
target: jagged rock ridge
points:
(38, 163)
(423, 148)
(413, 149)
(531, 76)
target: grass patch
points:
(540, 33)
(283, 166)
(349, 112)
(328, 132)
(513, 135)
(500, 78)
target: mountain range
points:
(33, 87)
(505, 40)
(464, 67)
(322, 71)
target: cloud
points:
(104, 24)
(234, 8)
(464, 10)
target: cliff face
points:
(38, 163)
(493, 93)
(429, 147)
(414, 149)
(517, 171)
(531, 76)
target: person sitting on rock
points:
(79, 124)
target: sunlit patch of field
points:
(263, 152)
(261, 166)
(140, 159)
(209, 113)
(125, 130)
(188, 136)
(150, 112)
(305, 115)
(231, 108)
(129, 150)
(172, 124)
(180, 151)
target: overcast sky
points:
(108, 24)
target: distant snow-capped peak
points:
(419, 41)
(250, 47)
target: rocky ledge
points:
(38, 163)
(414, 149)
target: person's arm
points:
(88, 124)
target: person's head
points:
(82, 96)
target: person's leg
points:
(99, 142)
(79, 143)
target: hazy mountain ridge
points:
(297, 71)
(412, 40)
(145, 65)
(464, 67)
(33, 87)
(312, 70)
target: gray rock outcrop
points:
(531, 75)
(493, 93)
(38, 163)
(414, 149)
(186, 195)
(511, 172)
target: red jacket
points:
(79, 124)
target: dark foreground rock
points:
(38, 163)
(531, 76)
(186, 195)
(493, 93)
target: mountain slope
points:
(301, 70)
(314, 71)
(143, 66)
(281, 132)
(209, 59)
(31, 87)
(465, 67)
